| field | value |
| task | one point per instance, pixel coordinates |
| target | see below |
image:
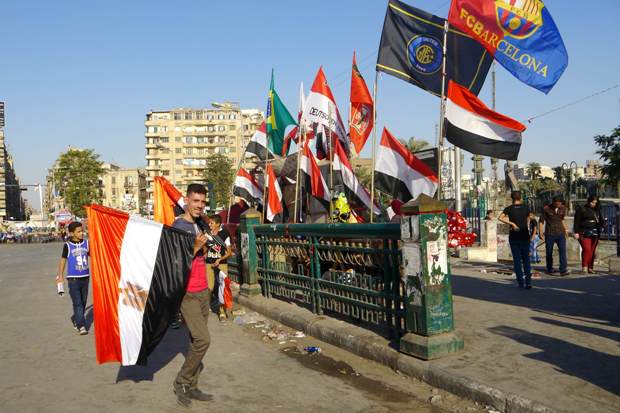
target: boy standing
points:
(555, 232)
(517, 216)
(218, 251)
(75, 259)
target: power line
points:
(600, 92)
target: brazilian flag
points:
(278, 119)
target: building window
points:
(177, 116)
(200, 139)
(165, 172)
(221, 128)
(163, 140)
(188, 139)
(232, 116)
(210, 116)
(179, 161)
(232, 127)
(178, 139)
(189, 151)
(178, 150)
(198, 115)
(188, 115)
(221, 116)
(201, 151)
(113, 180)
(211, 129)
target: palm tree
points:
(533, 170)
(414, 144)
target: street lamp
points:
(570, 181)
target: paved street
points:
(47, 367)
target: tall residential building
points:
(180, 141)
(11, 202)
(123, 188)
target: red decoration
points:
(457, 231)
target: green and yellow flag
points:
(278, 119)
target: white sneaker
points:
(83, 331)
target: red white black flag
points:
(258, 144)
(399, 173)
(471, 125)
(139, 273)
(247, 188)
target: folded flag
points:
(258, 144)
(247, 188)
(344, 175)
(362, 112)
(471, 125)
(412, 50)
(314, 178)
(399, 173)
(139, 274)
(166, 199)
(274, 200)
(520, 34)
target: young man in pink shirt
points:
(196, 303)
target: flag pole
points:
(331, 157)
(297, 186)
(241, 161)
(374, 149)
(442, 110)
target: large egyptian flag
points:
(399, 173)
(471, 125)
(520, 34)
(361, 119)
(258, 144)
(412, 49)
(139, 274)
(274, 195)
(313, 177)
(167, 201)
(320, 105)
(344, 175)
(247, 188)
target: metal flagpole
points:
(374, 149)
(442, 110)
(331, 157)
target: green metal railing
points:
(351, 270)
(234, 269)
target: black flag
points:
(412, 50)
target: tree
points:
(220, 174)
(533, 170)
(77, 179)
(609, 152)
(414, 144)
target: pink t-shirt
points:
(197, 276)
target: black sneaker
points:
(564, 273)
(183, 394)
(175, 324)
(199, 395)
(528, 287)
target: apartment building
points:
(11, 202)
(179, 142)
(123, 188)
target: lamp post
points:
(570, 167)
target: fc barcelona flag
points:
(412, 50)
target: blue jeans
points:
(521, 256)
(78, 290)
(534, 257)
(561, 241)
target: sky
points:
(84, 74)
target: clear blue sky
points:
(85, 73)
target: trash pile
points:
(270, 330)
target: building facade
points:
(123, 188)
(179, 142)
(12, 206)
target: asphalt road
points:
(47, 367)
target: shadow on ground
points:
(598, 368)
(174, 342)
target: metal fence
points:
(346, 270)
(473, 216)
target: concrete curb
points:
(369, 345)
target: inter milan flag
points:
(139, 272)
(412, 50)
(520, 34)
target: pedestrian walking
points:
(74, 259)
(218, 251)
(617, 230)
(587, 228)
(534, 239)
(195, 305)
(517, 217)
(554, 233)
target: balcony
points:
(153, 168)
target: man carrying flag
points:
(520, 34)
(361, 117)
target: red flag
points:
(274, 200)
(362, 114)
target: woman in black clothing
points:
(588, 225)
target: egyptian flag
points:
(320, 104)
(139, 273)
(399, 173)
(362, 113)
(471, 125)
(343, 174)
(247, 188)
(258, 144)
(168, 201)
(274, 196)
(314, 178)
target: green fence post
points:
(249, 255)
(426, 272)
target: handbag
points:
(592, 232)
